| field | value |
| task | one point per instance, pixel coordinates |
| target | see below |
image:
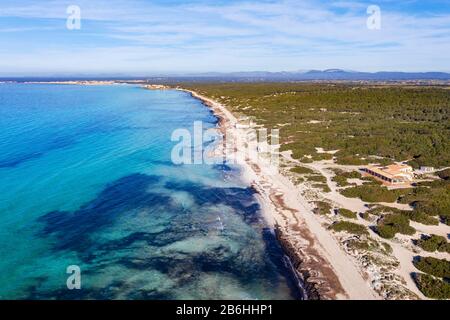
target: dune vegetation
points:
(354, 125)
(393, 122)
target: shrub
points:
(322, 156)
(434, 243)
(363, 244)
(431, 287)
(299, 180)
(341, 177)
(431, 198)
(325, 188)
(445, 220)
(414, 215)
(369, 180)
(421, 217)
(380, 210)
(365, 215)
(306, 160)
(347, 213)
(428, 208)
(350, 227)
(386, 232)
(341, 181)
(322, 208)
(435, 267)
(392, 224)
(444, 174)
(373, 193)
(316, 178)
(352, 175)
(351, 161)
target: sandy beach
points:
(328, 273)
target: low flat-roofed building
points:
(392, 174)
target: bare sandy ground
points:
(404, 250)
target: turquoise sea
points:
(86, 179)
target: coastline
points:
(319, 262)
(160, 231)
(326, 264)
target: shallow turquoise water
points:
(86, 179)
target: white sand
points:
(403, 249)
(286, 206)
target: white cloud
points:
(250, 35)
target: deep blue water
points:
(86, 179)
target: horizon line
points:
(203, 73)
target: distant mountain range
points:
(256, 76)
(330, 74)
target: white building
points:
(427, 169)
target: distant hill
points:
(260, 76)
(330, 74)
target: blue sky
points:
(144, 37)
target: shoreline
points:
(324, 263)
(319, 262)
(318, 257)
(328, 263)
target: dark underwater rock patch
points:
(76, 232)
